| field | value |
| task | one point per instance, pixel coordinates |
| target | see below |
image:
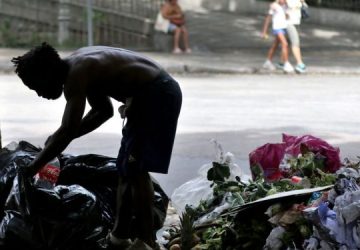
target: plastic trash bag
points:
(316, 145)
(51, 219)
(268, 157)
(75, 214)
(191, 193)
(198, 189)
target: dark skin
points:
(96, 74)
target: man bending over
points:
(152, 101)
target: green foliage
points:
(8, 37)
(250, 233)
(311, 166)
(219, 172)
(187, 231)
(212, 237)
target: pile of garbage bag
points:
(300, 196)
(77, 213)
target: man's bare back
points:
(115, 72)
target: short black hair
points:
(38, 62)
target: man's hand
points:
(29, 171)
(26, 173)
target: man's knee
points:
(134, 169)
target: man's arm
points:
(68, 130)
(101, 111)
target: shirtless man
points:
(173, 12)
(153, 101)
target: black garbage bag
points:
(99, 174)
(76, 214)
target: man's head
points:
(42, 70)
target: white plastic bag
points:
(161, 24)
(198, 189)
(191, 193)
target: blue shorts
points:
(279, 31)
(149, 132)
(172, 27)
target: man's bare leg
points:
(143, 197)
(124, 204)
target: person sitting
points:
(173, 12)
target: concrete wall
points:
(23, 23)
(335, 18)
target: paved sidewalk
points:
(226, 43)
(238, 62)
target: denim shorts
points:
(279, 31)
(172, 27)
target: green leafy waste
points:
(223, 232)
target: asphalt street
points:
(241, 112)
(227, 95)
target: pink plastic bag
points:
(316, 145)
(269, 156)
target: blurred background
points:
(129, 23)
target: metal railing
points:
(124, 23)
(27, 22)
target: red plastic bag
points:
(316, 145)
(269, 156)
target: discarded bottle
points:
(48, 175)
(296, 179)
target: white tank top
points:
(294, 11)
(278, 16)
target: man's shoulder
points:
(80, 63)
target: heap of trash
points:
(299, 196)
(69, 206)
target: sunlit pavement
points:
(241, 112)
(227, 95)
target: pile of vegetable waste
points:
(309, 206)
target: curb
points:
(6, 68)
(188, 69)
